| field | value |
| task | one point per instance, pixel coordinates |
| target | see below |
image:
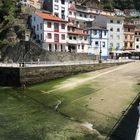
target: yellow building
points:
(129, 37)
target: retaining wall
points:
(34, 75)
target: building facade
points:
(58, 8)
(98, 42)
(78, 41)
(129, 36)
(114, 25)
(137, 39)
(50, 31)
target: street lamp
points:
(100, 53)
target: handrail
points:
(58, 63)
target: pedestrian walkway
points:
(55, 63)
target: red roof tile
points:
(78, 33)
(49, 17)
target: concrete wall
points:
(33, 75)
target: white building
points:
(119, 12)
(58, 8)
(51, 31)
(137, 39)
(34, 3)
(78, 41)
(114, 25)
(98, 41)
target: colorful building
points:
(98, 41)
(78, 41)
(114, 25)
(50, 31)
(129, 36)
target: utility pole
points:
(100, 53)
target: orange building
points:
(129, 36)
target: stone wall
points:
(33, 75)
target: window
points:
(135, 33)
(56, 27)
(49, 24)
(70, 37)
(103, 44)
(55, 7)
(37, 27)
(49, 35)
(125, 45)
(34, 18)
(111, 29)
(118, 29)
(82, 47)
(62, 1)
(137, 39)
(96, 43)
(80, 15)
(62, 26)
(118, 44)
(41, 37)
(118, 22)
(41, 26)
(111, 36)
(70, 13)
(56, 14)
(56, 0)
(118, 36)
(125, 36)
(137, 46)
(74, 37)
(104, 33)
(63, 37)
(79, 47)
(56, 37)
(131, 45)
(81, 37)
(85, 16)
(111, 21)
(95, 32)
(85, 38)
(139, 33)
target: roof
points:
(47, 16)
(137, 30)
(129, 25)
(96, 28)
(78, 33)
(74, 26)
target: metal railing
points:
(58, 63)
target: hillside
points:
(111, 4)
